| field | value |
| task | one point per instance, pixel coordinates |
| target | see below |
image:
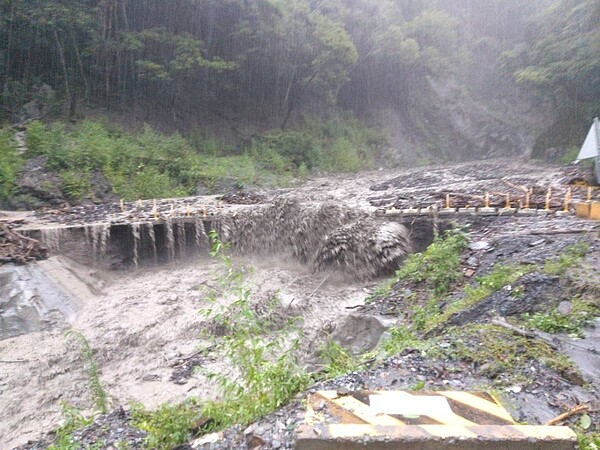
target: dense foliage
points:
(267, 64)
(274, 57)
(149, 164)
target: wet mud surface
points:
(144, 325)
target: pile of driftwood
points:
(18, 249)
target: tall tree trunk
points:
(63, 62)
(80, 66)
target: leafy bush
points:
(264, 372)
(75, 185)
(338, 360)
(168, 426)
(343, 157)
(10, 165)
(439, 265)
(73, 420)
(582, 313)
(553, 322)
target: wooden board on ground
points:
(420, 421)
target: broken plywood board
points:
(420, 421)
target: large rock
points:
(36, 182)
(359, 333)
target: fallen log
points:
(501, 322)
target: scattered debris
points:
(18, 249)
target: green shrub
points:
(343, 157)
(400, 339)
(439, 266)
(36, 138)
(168, 426)
(204, 143)
(150, 183)
(264, 372)
(75, 185)
(10, 165)
(338, 361)
(582, 313)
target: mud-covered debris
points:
(534, 292)
(18, 249)
(243, 198)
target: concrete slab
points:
(447, 211)
(527, 212)
(487, 211)
(411, 212)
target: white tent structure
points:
(591, 147)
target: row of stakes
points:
(567, 200)
(188, 210)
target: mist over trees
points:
(271, 60)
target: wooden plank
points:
(359, 410)
(595, 211)
(480, 404)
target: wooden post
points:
(548, 198)
(447, 201)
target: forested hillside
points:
(342, 82)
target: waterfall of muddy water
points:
(326, 236)
(181, 239)
(200, 237)
(152, 235)
(365, 249)
(97, 236)
(103, 236)
(135, 233)
(170, 239)
(51, 238)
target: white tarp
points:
(590, 146)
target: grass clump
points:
(569, 258)
(167, 426)
(582, 313)
(500, 277)
(337, 359)
(99, 395)
(73, 420)
(400, 339)
(439, 266)
(589, 441)
(503, 352)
